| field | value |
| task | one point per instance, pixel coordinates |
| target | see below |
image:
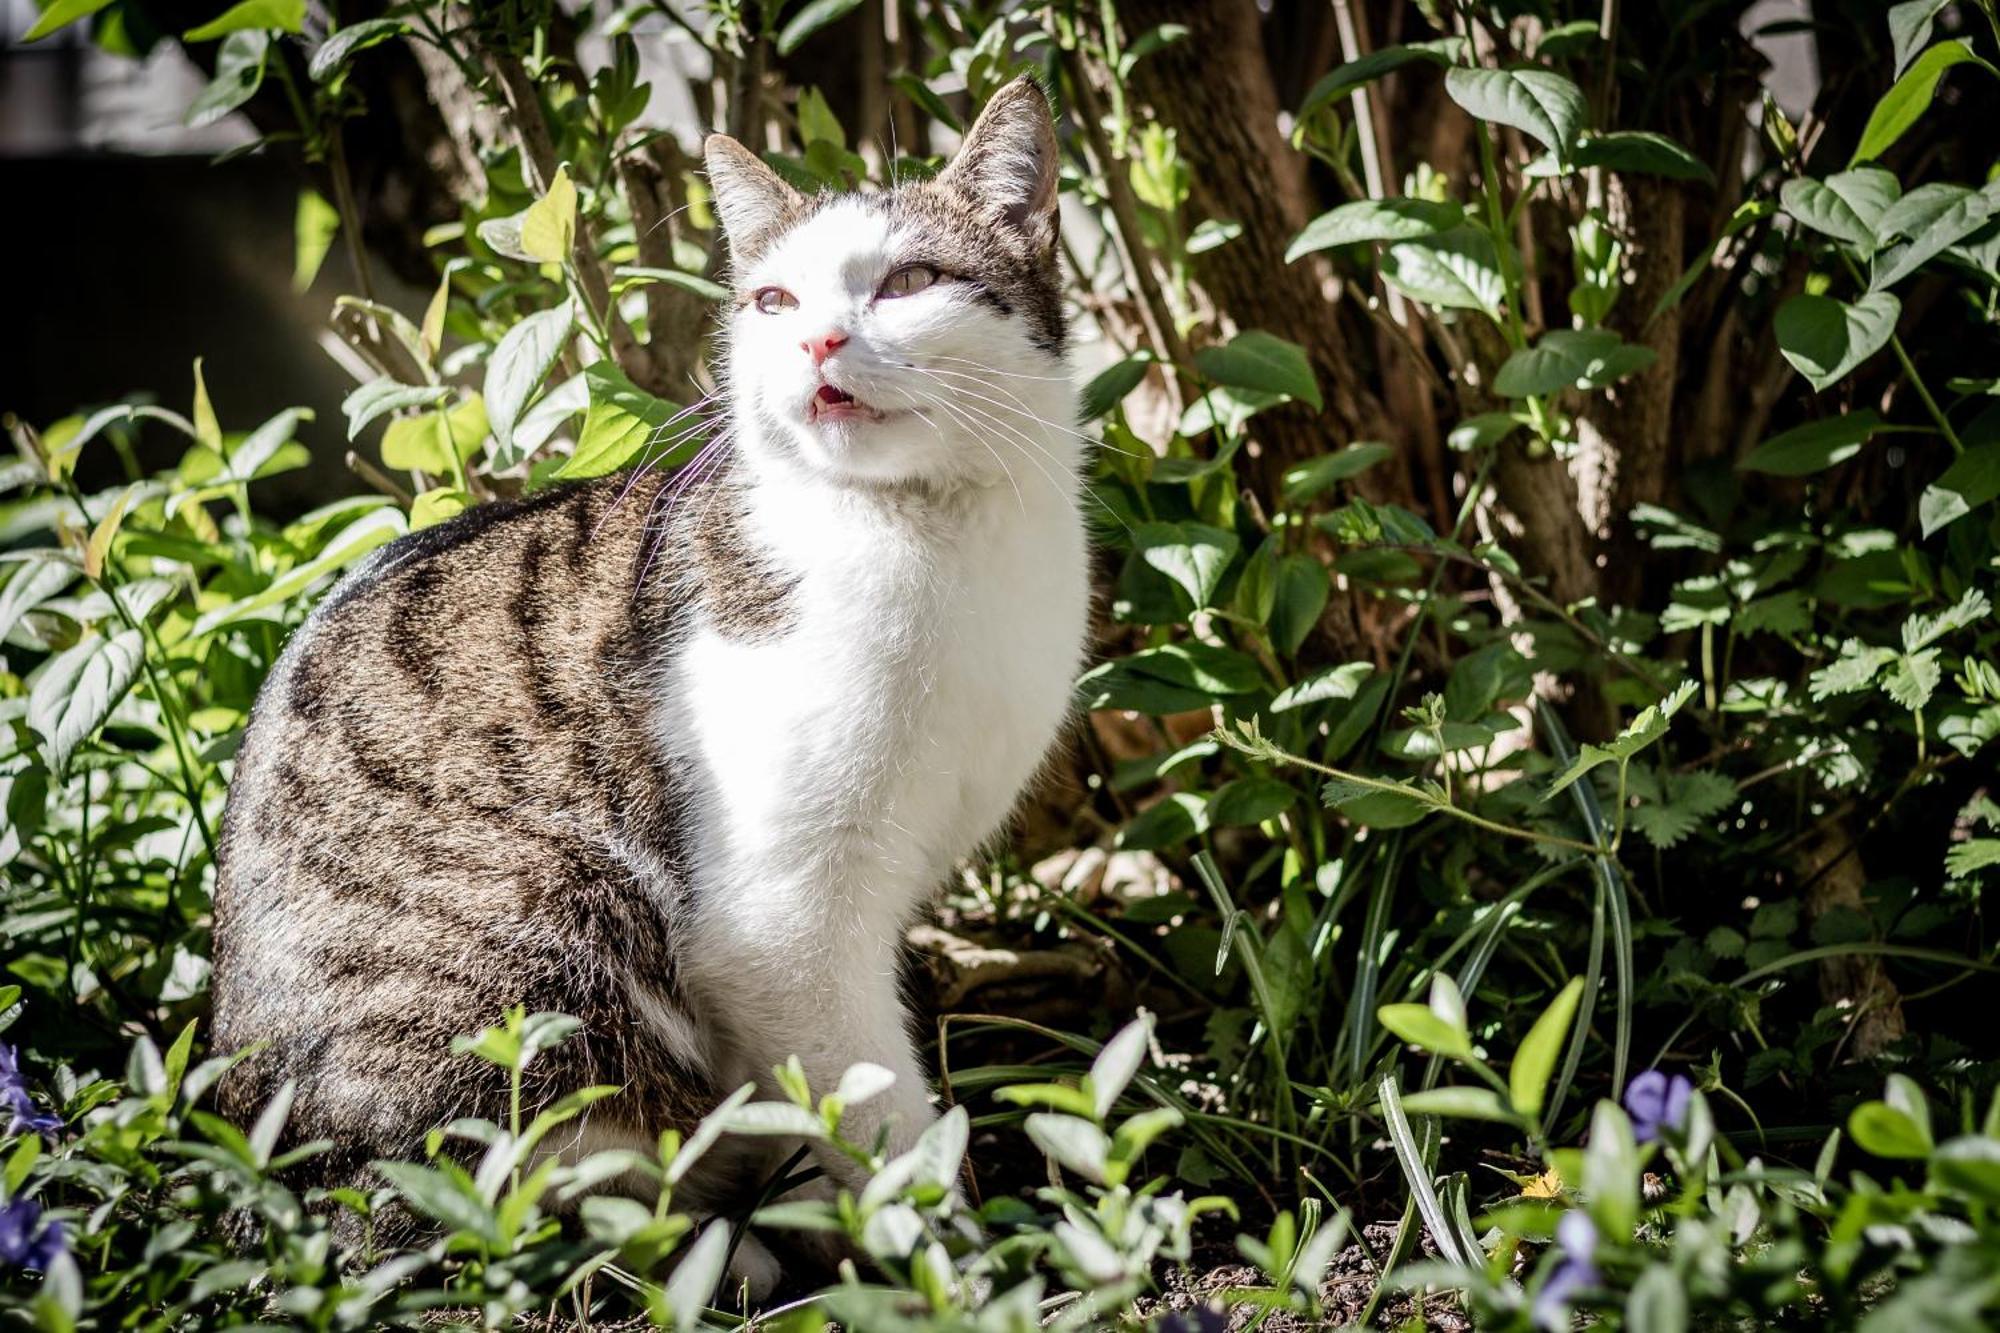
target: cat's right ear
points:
(751, 200)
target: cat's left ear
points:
(1008, 165)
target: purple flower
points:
(1576, 1238)
(1657, 1103)
(25, 1239)
(25, 1116)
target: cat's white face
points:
(859, 349)
(913, 336)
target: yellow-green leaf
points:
(313, 230)
(430, 336)
(207, 431)
(1528, 1079)
(101, 536)
(438, 505)
(548, 228)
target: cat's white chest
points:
(924, 667)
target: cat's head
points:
(914, 335)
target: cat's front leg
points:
(832, 1008)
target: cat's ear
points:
(1008, 165)
(751, 200)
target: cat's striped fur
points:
(682, 757)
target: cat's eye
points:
(908, 280)
(771, 300)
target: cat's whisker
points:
(1020, 406)
(1023, 409)
(1005, 471)
(996, 370)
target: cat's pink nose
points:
(824, 346)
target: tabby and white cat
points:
(683, 757)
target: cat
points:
(684, 756)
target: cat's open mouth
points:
(831, 404)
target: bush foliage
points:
(1568, 848)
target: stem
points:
(1266, 750)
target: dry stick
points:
(350, 215)
(1374, 145)
(1126, 235)
(379, 479)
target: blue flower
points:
(1658, 1103)
(1576, 1238)
(25, 1116)
(24, 1238)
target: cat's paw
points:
(754, 1271)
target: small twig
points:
(379, 479)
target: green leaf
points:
(692, 1284)
(1535, 1061)
(1074, 1142)
(1262, 363)
(1303, 590)
(1541, 104)
(284, 15)
(1455, 270)
(314, 225)
(1342, 79)
(74, 692)
(31, 578)
(1117, 1062)
(1168, 822)
(1912, 678)
(1824, 338)
(1109, 386)
(60, 15)
(1933, 217)
(436, 506)
(810, 19)
(1248, 801)
(340, 47)
(516, 369)
(1481, 431)
(1464, 1103)
(1309, 479)
(1194, 555)
(1884, 1131)
(622, 423)
(1649, 726)
(377, 396)
(548, 227)
(1335, 682)
(1658, 1302)
(1375, 220)
(1570, 359)
(1910, 29)
(1641, 152)
(1848, 207)
(1856, 667)
(1905, 103)
(1422, 1028)
(817, 123)
(1611, 1173)
(1373, 807)
(637, 275)
(1813, 447)
(1971, 481)
(239, 71)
